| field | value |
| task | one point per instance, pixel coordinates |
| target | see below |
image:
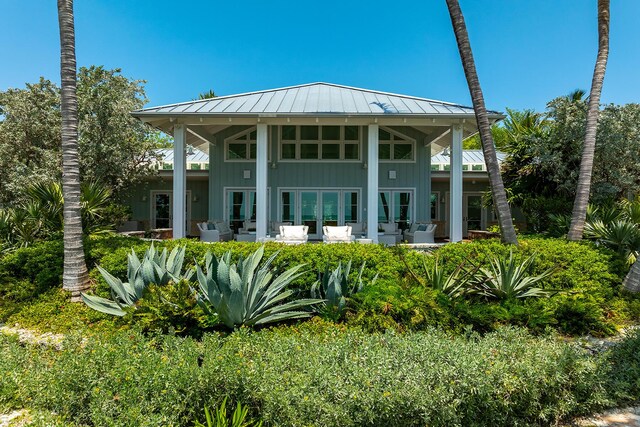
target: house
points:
(315, 154)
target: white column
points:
(455, 185)
(261, 182)
(372, 183)
(179, 181)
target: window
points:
(332, 143)
(435, 204)
(435, 168)
(395, 147)
(396, 206)
(242, 147)
(241, 206)
(477, 167)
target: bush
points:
(316, 374)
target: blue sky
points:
(527, 52)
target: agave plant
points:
(247, 293)
(453, 285)
(156, 268)
(334, 288)
(621, 235)
(509, 278)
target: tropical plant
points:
(247, 293)
(454, 285)
(578, 216)
(220, 419)
(510, 278)
(484, 127)
(154, 268)
(75, 277)
(334, 288)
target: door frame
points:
(152, 210)
(465, 213)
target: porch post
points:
(372, 183)
(261, 181)
(455, 185)
(179, 181)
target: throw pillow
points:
(211, 226)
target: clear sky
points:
(527, 52)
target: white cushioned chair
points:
(358, 228)
(420, 232)
(247, 227)
(275, 226)
(215, 231)
(391, 229)
(293, 234)
(334, 234)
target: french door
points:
(473, 213)
(162, 210)
(241, 206)
(318, 207)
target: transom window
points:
(394, 146)
(242, 146)
(329, 143)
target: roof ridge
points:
(217, 98)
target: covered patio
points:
(353, 146)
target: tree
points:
(116, 149)
(29, 138)
(207, 95)
(579, 213)
(75, 277)
(498, 193)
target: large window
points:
(395, 147)
(327, 143)
(396, 206)
(242, 147)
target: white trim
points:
(372, 182)
(179, 180)
(341, 142)
(455, 184)
(232, 140)
(406, 140)
(152, 210)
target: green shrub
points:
(317, 374)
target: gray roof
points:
(198, 156)
(468, 157)
(313, 99)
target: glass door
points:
(472, 209)
(330, 208)
(309, 211)
(162, 209)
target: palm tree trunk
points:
(632, 280)
(579, 215)
(75, 277)
(505, 220)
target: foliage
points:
(319, 374)
(40, 215)
(220, 419)
(114, 147)
(154, 268)
(454, 285)
(334, 288)
(541, 170)
(617, 228)
(510, 278)
(243, 294)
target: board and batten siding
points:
(317, 175)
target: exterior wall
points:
(318, 174)
(140, 201)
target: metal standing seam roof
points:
(469, 157)
(313, 98)
(198, 156)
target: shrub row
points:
(319, 375)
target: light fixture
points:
(446, 152)
(273, 165)
(195, 199)
(143, 198)
(364, 165)
(189, 150)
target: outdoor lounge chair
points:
(420, 233)
(333, 234)
(215, 231)
(293, 234)
(390, 229)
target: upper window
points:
(395, 147)
(329, 143)
(242, 146)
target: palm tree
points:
(75, 277)
(498, 193)
(632, 281)
(579, 214)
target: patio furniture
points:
(293, 234)
(358, 228)
(337, 234)
(390, 229)
(420, 232)
(246, 237)
(247, 227)
(215, 231)
(275, 226)
(364, 241)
